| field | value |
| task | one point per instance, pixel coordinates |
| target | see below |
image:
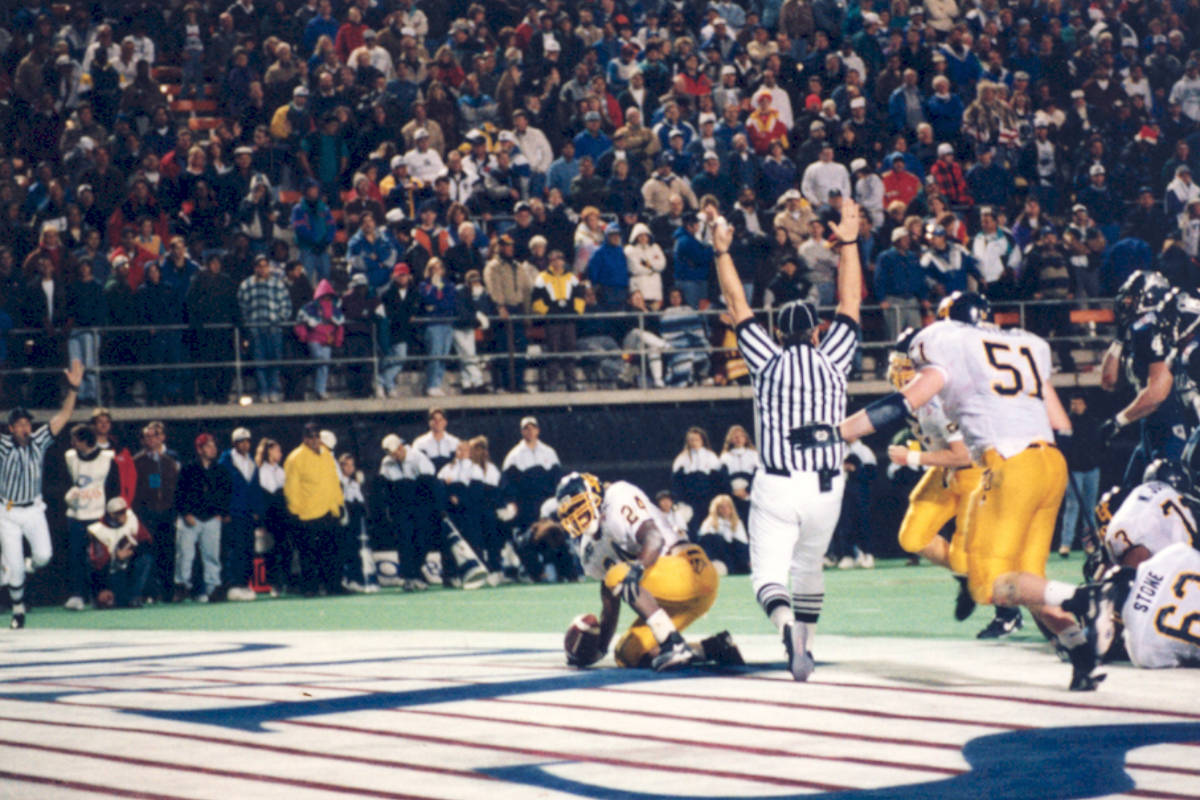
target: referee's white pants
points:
(791, 523)
(27, 523)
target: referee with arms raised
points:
(22, 510)
(799, 400)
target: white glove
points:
(484, 323)
(508, 513)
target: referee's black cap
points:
(19, 413)
(796, 317)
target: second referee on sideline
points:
(799, 400)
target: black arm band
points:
(888, 413)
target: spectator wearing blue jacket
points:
(944, 111)
(312, 223)
(900, 285)
(608, 271)
(563, 169)
(439, 303)
(246, 507)
(693, 261)
(373, 253)
(592, 141)
(947, 263)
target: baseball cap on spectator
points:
(936, 230)
(1147, 134)
(1020, 75)
(369, 34)
(391, 442)
(116, 505)
(536, 241)
(612, 229)
(664, 159)
(857, 164)
(475, 136)
(408, 30)
(394, 216)
(1158, 39)
(1048, 230)
(83, 187)
(522, 206)
(936, 56)
(396, 163)
(1181, 169)
(945, 149)
(420, 133)
(1078, 207)
(1145, 190)
(1077, 94)
(328, 438)
(672, 133)
(359, 279)
(1041, 122)
(790, 194)
(898, 233)
(239, 434)
(592, 116)
(506, 136)
(707, 116)
(620, 20)
(858, 102)
(728, 69)
(709, 155)
(870, 18)
(401, 269)
(120, 261)
(530, 420)
(204, 439)
(816, 124)
(834, 192)
(1096, 169)
(300, 91)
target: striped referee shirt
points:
(21, 467)
(797, 386)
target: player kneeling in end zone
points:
(626, 542)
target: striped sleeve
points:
(758, 349)
(841, 342)
(41, 441)
(6, 444)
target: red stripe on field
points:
(1028, 700)
(579, 757)
(1158, 768)
(813, 707)
(560, 755)
(111, 791)
(1164, 795)
(213, 771)
(269, 748)
(696, 743)
(739, 724)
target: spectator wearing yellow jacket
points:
(313, 492)
(559, 295)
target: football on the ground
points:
(582, 641)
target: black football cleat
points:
(1083, 661)
(964, 604)
(1006, 622)
(672, 654)
(17, 622)
(721, 650)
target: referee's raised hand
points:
(727, 277)
(74, 374)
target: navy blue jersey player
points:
(1140, 354)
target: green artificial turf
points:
(890, 600)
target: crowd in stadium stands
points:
(229, 520)
(380, 179)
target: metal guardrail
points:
(640, 356)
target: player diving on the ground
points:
(626, 543)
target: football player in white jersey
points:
(942, 494)
(1159, 603)
(1154, 516)
(995, 384)
(628, 544)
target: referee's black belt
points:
(11, 504)
(824, 476)
(814, 434)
